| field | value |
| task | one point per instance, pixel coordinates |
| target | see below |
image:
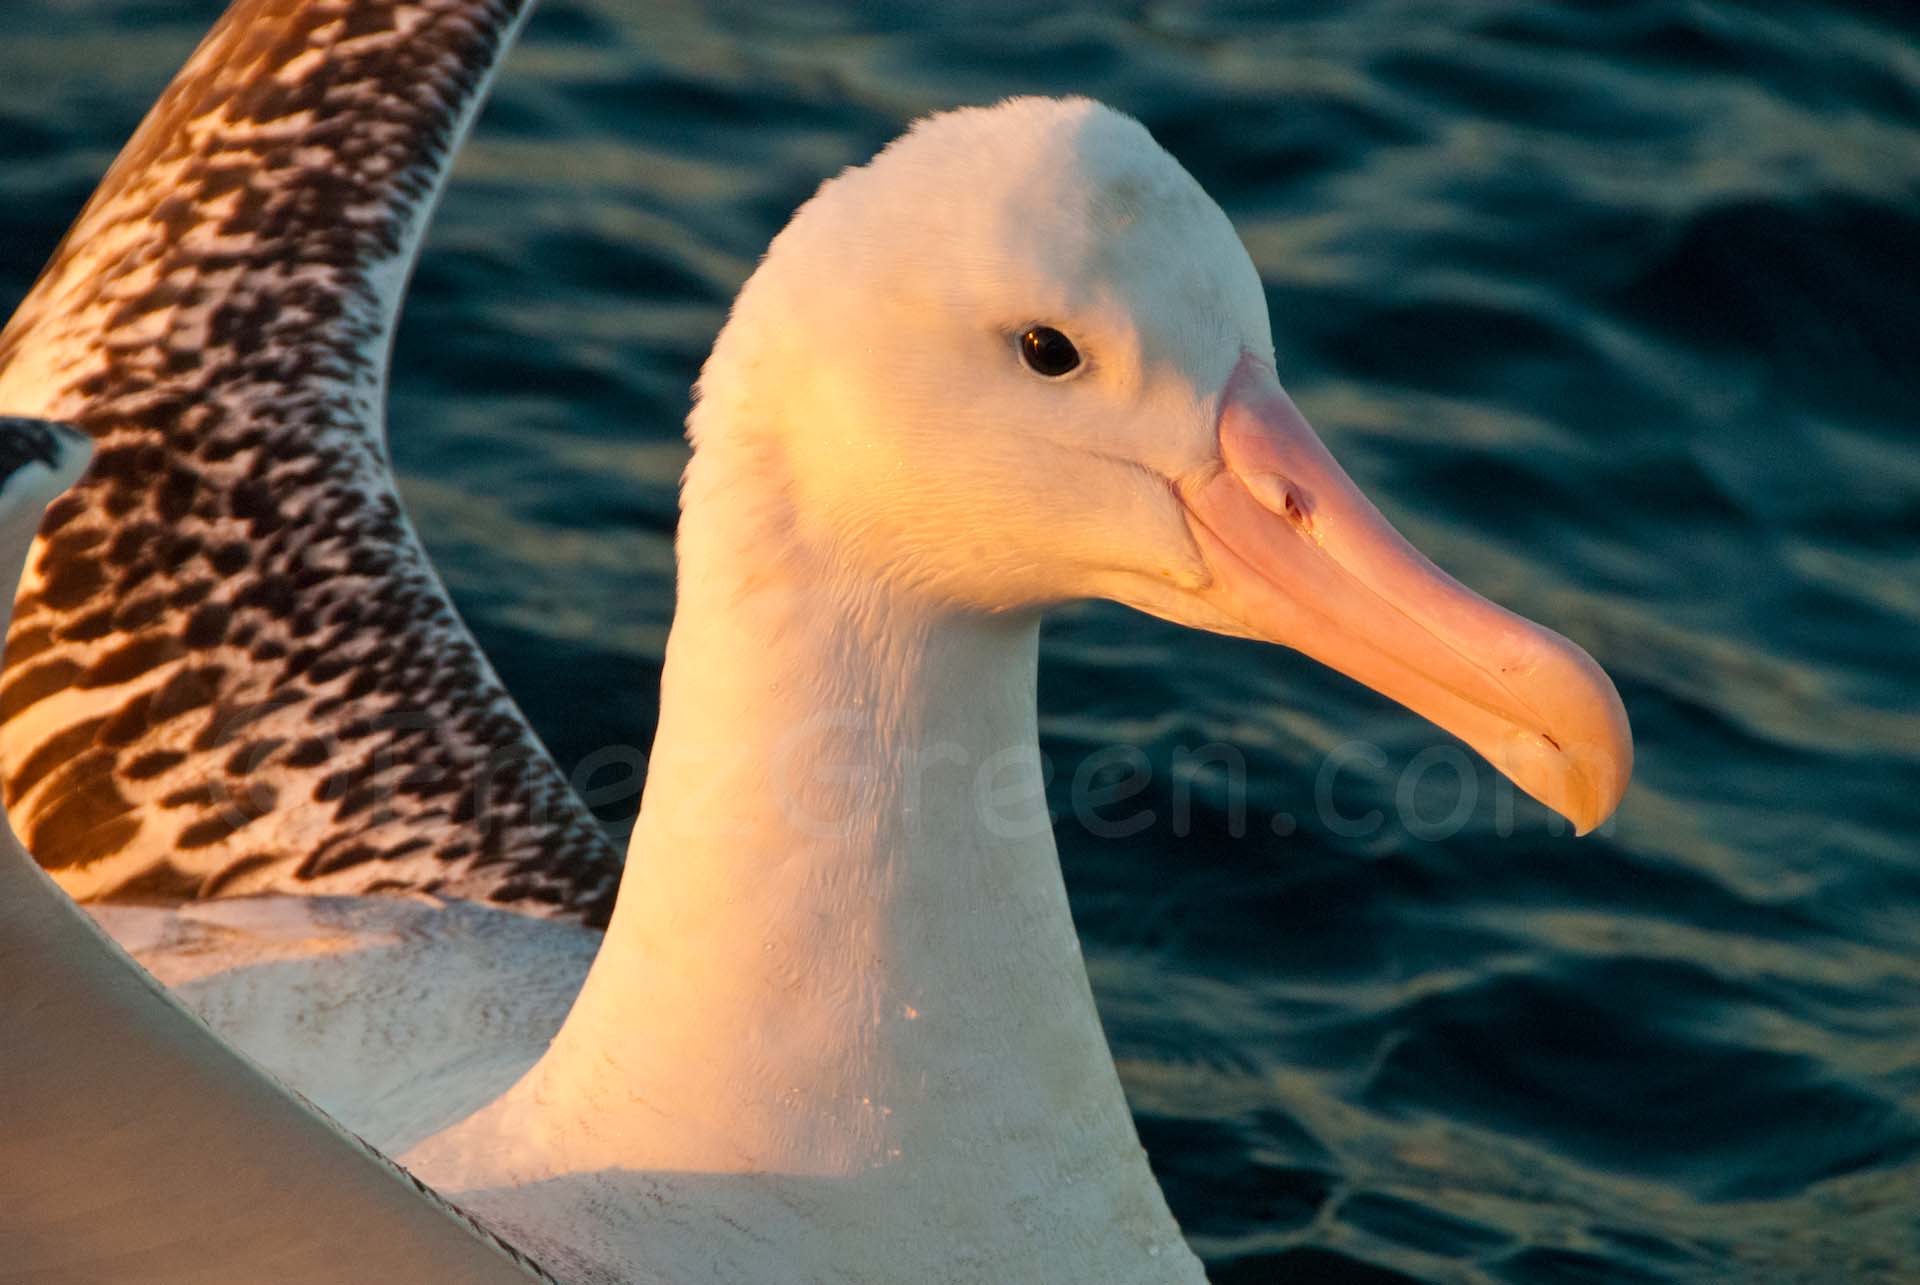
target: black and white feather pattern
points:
(231, 667)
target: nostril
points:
(1277, 495)
(1294, 508)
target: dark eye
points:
(1048, 352)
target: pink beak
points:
(1300, 557)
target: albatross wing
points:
(137, 1144)
(231, 666)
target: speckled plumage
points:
(231, 667)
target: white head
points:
(1021, 357)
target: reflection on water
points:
(1610, 307)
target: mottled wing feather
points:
(231, 667)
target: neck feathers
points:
(842, 975)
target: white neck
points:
(842, 958)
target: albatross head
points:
(1021, 357)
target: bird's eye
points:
(1048, 352)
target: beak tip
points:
(1581, 769)
(1602, 770)
(1591, 819)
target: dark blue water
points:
(1614, 308)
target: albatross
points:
(838, 1026)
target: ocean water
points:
(1614, 308)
